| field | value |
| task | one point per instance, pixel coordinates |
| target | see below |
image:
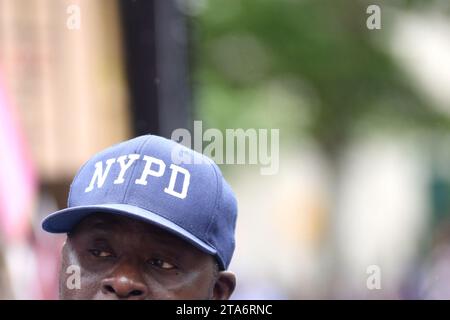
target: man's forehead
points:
(105, 221)
(113, 225)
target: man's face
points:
(123, 258)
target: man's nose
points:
(124, 284)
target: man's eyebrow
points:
(182, 247)
(164, 238)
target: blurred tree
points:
(243, 45)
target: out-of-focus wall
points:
(68, 84)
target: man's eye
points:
(100, 253)
(162, 264)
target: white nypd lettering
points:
(99, 174)
(124, 166)
(153, 167)
(148, 170)
(173, 178)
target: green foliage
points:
(313, 60)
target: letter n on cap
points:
(99, 174)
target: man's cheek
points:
(77, 283)
(69, 281)
(189, 285)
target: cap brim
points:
(65, 220)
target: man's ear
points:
(224, 286)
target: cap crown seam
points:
(124, 200)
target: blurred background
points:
(360, 205)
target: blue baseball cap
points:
(161, 182)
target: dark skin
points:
(124, 258)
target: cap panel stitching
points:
(138, 151)
(218, 192)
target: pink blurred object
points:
(17, 174)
